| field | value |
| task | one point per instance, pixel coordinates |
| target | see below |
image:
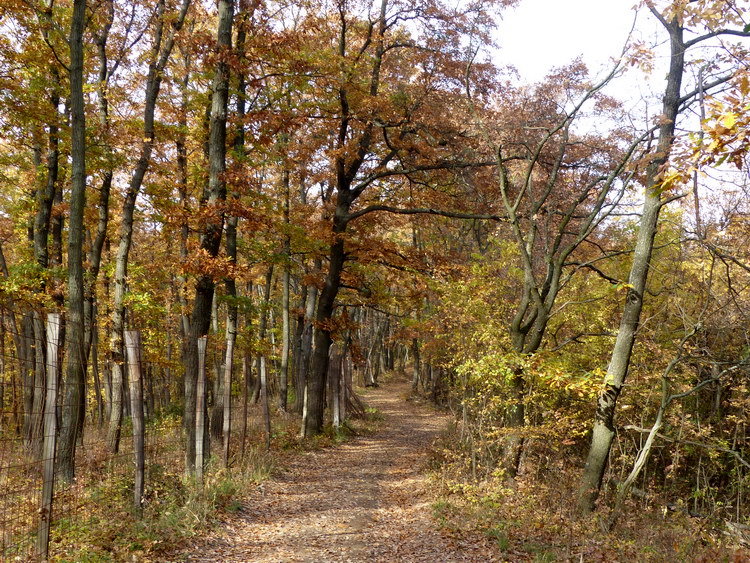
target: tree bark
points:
(315, 387)
(161, 50)
(73, 403)
(604, 431)
(284, 372)
(308, 334)
(299, 328)
(214, 195)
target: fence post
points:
(344, 399)
(200, 400)
(50, 436)
(135, 371)
(334, 375)
(228, 397)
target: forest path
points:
(365, 500)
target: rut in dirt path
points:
(362, 501)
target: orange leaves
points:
(640, 56)
(336, 325)
(200, 263)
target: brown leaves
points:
(366, 500)
(200, 263)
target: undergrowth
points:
(532, 518)
(175, 508)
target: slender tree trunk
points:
(415, 360)
(94, 356)
(299, 328)
(161, 51)
(57, 222)
(73, 402)
(306, 344)
(24, 349)
(284, 372)
(604, 432)
(97, 244)
(246, 377)
(214, 196)
(38, 351)
(262, 329)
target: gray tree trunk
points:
(604, 431)
(284, 372)
(308, 333)
(161, 50)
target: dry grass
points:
(533, 519)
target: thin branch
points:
(423, 211)
(716, 33)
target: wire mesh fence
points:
(64, 448)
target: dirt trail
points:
(362, 501)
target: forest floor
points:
(365, 500)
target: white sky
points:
(541, 34)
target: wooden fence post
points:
(200, 400)
(50, 436)
(344, 399)
(334, 374)
(135, 371)
(228, 397)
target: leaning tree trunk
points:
(604, 432)
(314, 400)
(160, 53)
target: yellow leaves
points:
(201, 263)
(672, 179)
(729, 120)
(726, 129)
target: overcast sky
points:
(541, 34)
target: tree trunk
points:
(284, 372)
(160, 57)
(604, 432)
(262, 329)
(95, 372)
(306, 344)
(214, 196)
(73, 403)
(246, 380)
(316, 382)
(97, 244)
(39, 377)
(299, 329)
